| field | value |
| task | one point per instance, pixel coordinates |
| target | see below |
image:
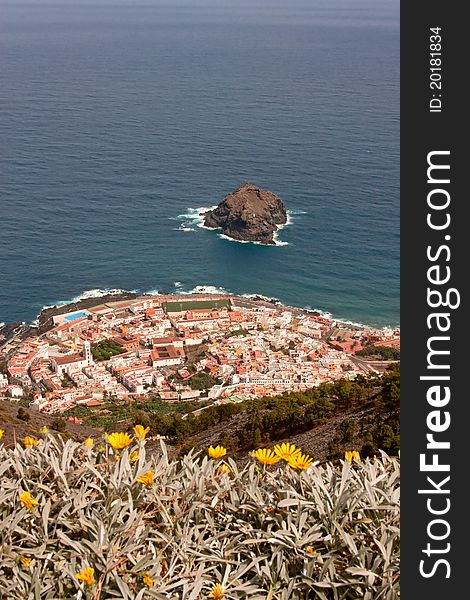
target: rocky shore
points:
(45, 316)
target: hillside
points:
(326, 421)
(30, 423)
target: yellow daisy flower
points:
(146, 478)
(285, 451)
(140, 432)
(224, 469)
(26, 562)
(300, 461)
(2, 431)
(119, 440)
(30, 441)
(266, 456)
(87, 575)
(147, 580)
(216, 452)
(88, 442)
(352, 455)
(44, 429)
(134, 456)
(217, 592)
(28, 501)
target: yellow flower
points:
(44, 429)
(224, 469)
(119, 440)
(26, 562)
(134, 456)
(86, 575)
(140, 432)
(352, 455)
(266, 457)
(2, 431)
(147, 580)
(285, 451)
(28, 501)
(88, 442)
(310, 550)
(217, 452)
(146, 478)
(30, 441)
(217, 592)
(300, 461)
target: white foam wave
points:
(262, 297)
(193, 213)
(222, 236)
(277, 241)
(206, 289)
(198, 289)
(328, 315)
(98, 293)
(193, 217)
(183, 228)
(319, 311)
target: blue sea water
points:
(119, 118)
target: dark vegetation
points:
(23, 414)
(105, 349)
(119, 415)
(202, 381)
(59, 425)
(379, 352)
(176, 306)
(237, 332)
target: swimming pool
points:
(77, 315)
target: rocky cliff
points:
(248, 214)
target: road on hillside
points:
(371, 366)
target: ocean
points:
(120, 119)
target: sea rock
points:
(249, 214)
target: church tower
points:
(87, 352)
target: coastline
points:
(45, 316)
(44, 319)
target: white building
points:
(69, 363)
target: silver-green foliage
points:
(331, 532)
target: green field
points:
(172, 307)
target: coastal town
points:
(211, 348)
